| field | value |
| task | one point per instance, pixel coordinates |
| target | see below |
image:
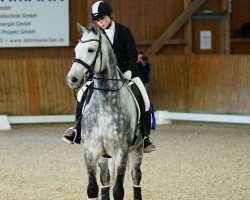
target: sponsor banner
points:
(34, 23)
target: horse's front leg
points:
(136, 157)
(120, 164)
(104, 177)
(91, 161)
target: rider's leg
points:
(143, 92)
(148, 143)
(73, 134)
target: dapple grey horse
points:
(109, 122)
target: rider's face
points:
(103, 22)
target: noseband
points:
(90, 68)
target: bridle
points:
(90, 68)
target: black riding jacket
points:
(125, 49)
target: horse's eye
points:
(91, 50)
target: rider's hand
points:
(127, 75)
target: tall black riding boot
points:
(73, 134)
(78, 119)
(148, 142)
(146, 123)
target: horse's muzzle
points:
(73, 82)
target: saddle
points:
(140, 105)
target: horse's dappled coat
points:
(109, 120)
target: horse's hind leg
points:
(91, 161)
(136, 157)
(120, 165)
(105, 178)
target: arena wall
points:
(183, 78)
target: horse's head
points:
(88, 56)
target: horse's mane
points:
(92, 28)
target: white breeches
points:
(135, 80)
(143, 92)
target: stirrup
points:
(69, 130)
(151, 147)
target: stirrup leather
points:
(70, 130)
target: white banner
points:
(34, 23)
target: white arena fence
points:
(162, 117)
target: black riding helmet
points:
(100, 9)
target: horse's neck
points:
(109, 79)
(109, 70)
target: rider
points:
(124, 47)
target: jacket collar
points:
(117, 32)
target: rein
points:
(108, 79)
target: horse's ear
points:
(80, 28)
(94, 28)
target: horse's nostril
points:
(74, 80)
